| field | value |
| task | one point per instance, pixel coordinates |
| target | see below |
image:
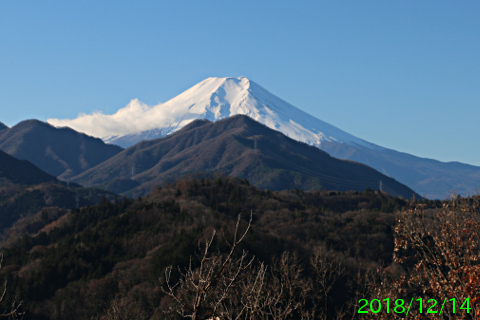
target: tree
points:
(232, 287)
(13, 311)
(327, 270)
(440, 249)
(203, 292)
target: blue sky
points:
(401, 74)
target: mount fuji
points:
(218, 98)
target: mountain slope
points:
(61, 152)
(25, 191)
(3, 127)
(432, 178)
(237, 146)
(21, 171)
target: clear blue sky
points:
(401, 74)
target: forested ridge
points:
(113, 256)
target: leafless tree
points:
(278, 293)
(13, 311)
(327, 270)
(230, 288)
(121, 310)
(201, 292)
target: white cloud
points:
(134, 117)
(137, 117)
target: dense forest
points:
(219, 247)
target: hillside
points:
(25, 191)
(61, 152)
(237, 146)
(117, 252)
(21, 171)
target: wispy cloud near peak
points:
(134, 117)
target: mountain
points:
(3, 127)
(62, 152)
(237, 146)
(21, 171)
(431, 178)
(31, 198)
(217, 98)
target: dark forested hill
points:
(62, 152)
(25, 190)
(237, 146)
(21, 171)
(114, 254)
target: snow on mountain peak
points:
(212, 99)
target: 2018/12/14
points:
(400, 305)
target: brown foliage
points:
(440, 249)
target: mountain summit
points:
(214, 99)
(237, 146)
(217, 98)
(61, 152)
(3, 127)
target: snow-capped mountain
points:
(217, 98)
